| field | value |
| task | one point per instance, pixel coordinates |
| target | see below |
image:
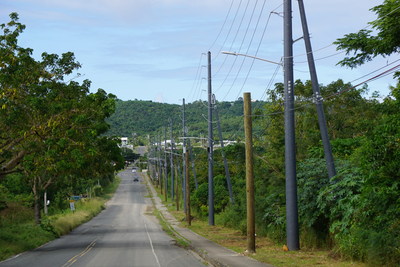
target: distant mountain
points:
(146, 117)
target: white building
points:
(124, 141)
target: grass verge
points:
(19, 233)
(267, 251)
(180, 241)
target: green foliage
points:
(199, 199)
(51, 129)
(129, 155)
(312, 178)
(62, 224)
(373, 234)
(18, 237)
(339, 200)
(18, 231)
(97, 190)
(365, 45)
(139, 118)
(221, 193)
(3, 197)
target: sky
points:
(156, 49)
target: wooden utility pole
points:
(251, 238)
(172, 162)
(187, 191)
(165, 165)
(177, 189)
(196, 184)
(160, 166)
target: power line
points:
(222, 27)
(244, 37)
(198, 74)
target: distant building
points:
(226, 143)
(124, 141)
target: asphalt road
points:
(124, 234)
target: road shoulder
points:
(206, 249)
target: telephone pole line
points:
(210, 149)
(227, 175)
(160, 169)
(172, 162)
(165, 165)
(184, 155)
(317, 94)
(292, 227)
(187, 189)
(251, 232)
(193, 165)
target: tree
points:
(50, 128)
(365, 45)
(375, 228)
(24, 84)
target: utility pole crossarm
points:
(244, 55)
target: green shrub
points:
(25, 200)
(3, 197)
(199, 199)
(97, 190)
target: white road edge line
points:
(151, 244)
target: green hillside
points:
(145, 117)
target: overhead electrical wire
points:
(369, 25)
(258, 47)
(196, 80)
(241, 45)
(383, 74)
(228, 34)
(222, 27)
(378, 76)
(233, 42)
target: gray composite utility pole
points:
(227, 174)
(165, 165)
(210, 149)
(317, 94)
(184, 155)
(292, 226)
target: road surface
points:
(124, 234)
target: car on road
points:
(135, 179)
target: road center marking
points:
(81, 254)
(151, 244)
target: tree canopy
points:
(51, 128)
(382, 40)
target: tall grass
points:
(18, 231)
(85, 210)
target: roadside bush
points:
(97, 190)
(199, 200)
(3, 197)
(221, 193)
(232, 217)
(25, 200)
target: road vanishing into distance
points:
(124, 234)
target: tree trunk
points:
(36, 197)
